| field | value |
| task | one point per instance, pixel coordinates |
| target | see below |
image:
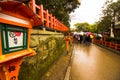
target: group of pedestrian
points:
(83, 39)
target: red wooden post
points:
(62, 27)
(41, 13)
(51, 20)
(102, 42)
(110, 44)
(47, 19)
(59, 25)
(105, 43)
(32, 5)
(56, 25)
(116, 46)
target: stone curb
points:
(113, 50)
(67, 75)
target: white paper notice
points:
(15, 39)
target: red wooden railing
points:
(108, 44)
(48, 19)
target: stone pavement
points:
(59, 70)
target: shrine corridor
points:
(94, 63)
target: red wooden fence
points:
(108, 44)
(48, 19)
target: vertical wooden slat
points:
(41, 13)
(51, 21)
(47, 19)
(32, 5)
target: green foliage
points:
(110, 11)
(86, 27)
(60, 8)
(81, 26)
(93, 28)
(104, 24)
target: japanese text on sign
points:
(15, 39)
(11, 68)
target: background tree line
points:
(86, 27)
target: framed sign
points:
(14, 38)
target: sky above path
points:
(89, 11)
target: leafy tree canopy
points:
(86, 27)
(110, 11)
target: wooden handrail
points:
(48, 19)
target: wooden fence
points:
(108, 44)
(48, 19)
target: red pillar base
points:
(10, 69)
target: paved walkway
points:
(58, 70)
(94, 63)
